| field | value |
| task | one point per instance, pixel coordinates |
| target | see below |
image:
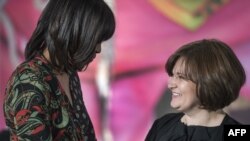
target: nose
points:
(171, 83)
(98, 48)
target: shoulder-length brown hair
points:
(214, 68)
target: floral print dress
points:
(36, 107)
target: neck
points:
(204, 118)
(46, 54)
(47, 57)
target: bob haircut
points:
(71, 30)
(214, 68)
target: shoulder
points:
(168, 119)
(34, 66)
(28, 77)
(229, 120)
(163, 125)
(30, 71)
(170, 116)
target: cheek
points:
(193, 94)
(98, 48)
(189, 89)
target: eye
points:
(181, 76)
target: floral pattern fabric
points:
(36, 107)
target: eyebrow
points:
(179, 73)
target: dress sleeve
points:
(26, 107)
(151, 136)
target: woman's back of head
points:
(71, 30)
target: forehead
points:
(179, 66)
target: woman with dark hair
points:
(204, 77)
(43, 100)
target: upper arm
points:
(151, 136)
(26, 107)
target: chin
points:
(174, 106)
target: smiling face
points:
(184, 97)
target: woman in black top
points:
(205, 77)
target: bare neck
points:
(204, 118)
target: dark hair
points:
(71, 29)
(214, 68)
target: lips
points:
(176, 94)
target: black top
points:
(170, 128)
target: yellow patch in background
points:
(190, 14)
